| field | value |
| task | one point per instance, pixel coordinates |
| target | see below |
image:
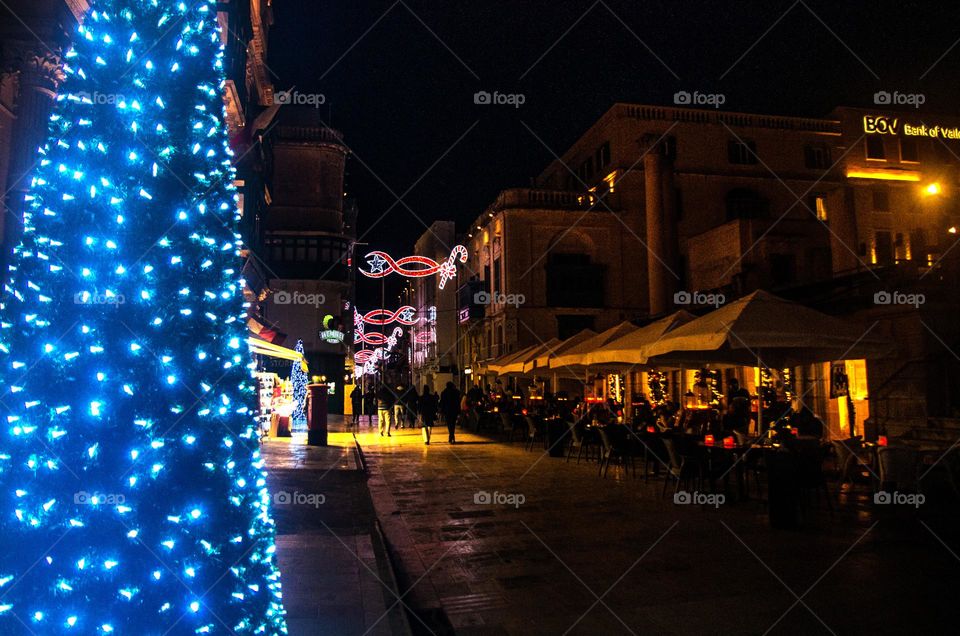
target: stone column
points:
(657, 282)
(844, 239)
(670, 230)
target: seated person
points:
(806, 423)
(735, 420)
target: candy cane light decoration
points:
(404, 315)
(382, 264)
(378, 339)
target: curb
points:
(400, 620)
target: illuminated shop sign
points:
(332, 336)
(330, 333)
(885, 125)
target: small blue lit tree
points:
(298, 378)
(132, 494)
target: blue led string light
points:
(298, 379)
(133, 493)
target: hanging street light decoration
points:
(382, 264)
(404, 315)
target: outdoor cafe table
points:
(721, 455)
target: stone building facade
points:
(33, 35)
(654, 207)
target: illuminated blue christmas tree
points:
(298, 378)
(132, 494)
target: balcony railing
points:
(746, 120)
(532, 198)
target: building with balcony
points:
(654, 203)
(547, 264)
(290, 175)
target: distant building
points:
(305, 243)
(434, 340)
(549, 264)
(290, 175)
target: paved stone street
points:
(585, 555)
(335, 572)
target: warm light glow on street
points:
(932, 189)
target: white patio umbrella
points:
(572, 360)
(627, 351)
(765, 331)
(496, 365)
(515, 365)
(777, 332)
(542, 361)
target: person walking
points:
(428, 404)
(385, 401)
(410, 399)
(450, 407)
(356, 401)
(399, 407)
(369, 405)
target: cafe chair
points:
(579, 442)
(899, 468)
(511, 427)
(654, 454)
(614, 447)
(849, 460)
(535, 432)
(752, 463)
(683, 468)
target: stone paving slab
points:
(333, 564)
(539, 567)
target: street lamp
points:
(932, 189)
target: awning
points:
(515, 366)
(264, 348)
(572, 360)
(494, 366)
(764, 330)
(627, 351)
(542, 361)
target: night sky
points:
(404, 100)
